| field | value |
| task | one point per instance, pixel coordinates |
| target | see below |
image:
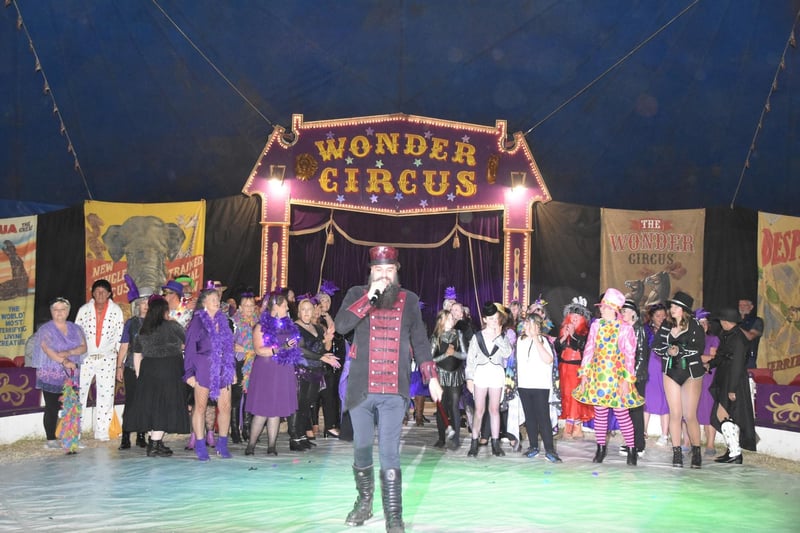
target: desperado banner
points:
(779, 294)
(151, 242)
(17, 282)
(649, 255)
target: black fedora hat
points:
(681, 299)
(728, 315)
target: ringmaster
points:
(388, 331)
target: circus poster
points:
(649, 255)
(151, 242)
(17, 282)
(779, 294)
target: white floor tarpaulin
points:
(103, 489)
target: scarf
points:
(276, 333)
(222, 358)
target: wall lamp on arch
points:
(277, 173)
(518, 180)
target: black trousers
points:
(450, 399)
(536, 405)
(637, 419)
(52, 405)
(129, 378)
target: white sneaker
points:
(662, 440)
(52, 445)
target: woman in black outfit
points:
(315, 345)
(160, 402)
(449, 354)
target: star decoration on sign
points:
(418, 162)
(379, 163)
(374, 198)
(370, 131)
(451, 197)
(340, 198)
(428, 134)
(465, 138)
(398, 196)
(423, 203)
(348, 160)
(329, 135)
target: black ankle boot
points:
(159, 450)
(497, 450)
(140, 442)
(125, 443)
(633, 455)
(392, 493)
(677, 457)
(473, 448)
(697, 457)
(365, 485)
(600, 454)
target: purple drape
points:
(425, 271)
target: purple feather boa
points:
(277, 333)
(223, 363)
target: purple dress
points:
(706, 402)
(273, 387)
(655, 399)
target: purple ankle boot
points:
(201, 450)
(190, 444)
(210, 438)
(222, 448)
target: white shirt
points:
(532, 372)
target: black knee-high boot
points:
(236, 435)
(392, 492)
(365, 485)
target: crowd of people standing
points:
(231, 369)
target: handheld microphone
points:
(375, 295)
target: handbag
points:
(115, 428)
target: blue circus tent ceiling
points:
(636, 104)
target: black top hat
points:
(490, 309)
(630, 304)
(728, 315)
(681, 299)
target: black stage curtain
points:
(566, 255)
(233, 243)
(60, 261)
(730, 263)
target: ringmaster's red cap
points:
(382, 255)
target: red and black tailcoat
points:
(383, 343)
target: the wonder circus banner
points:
(649, 255)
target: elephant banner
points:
(151, 242)
(649, 255)
(17, 282)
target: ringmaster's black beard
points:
(388, 297)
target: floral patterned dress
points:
(608, 361)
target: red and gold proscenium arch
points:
(399, 165)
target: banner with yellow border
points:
(151, 242)
(779, 294)
(17, 283)
(649, 255)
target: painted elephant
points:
(148, 242)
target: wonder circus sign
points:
(397, 165)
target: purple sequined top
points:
(50, 375)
